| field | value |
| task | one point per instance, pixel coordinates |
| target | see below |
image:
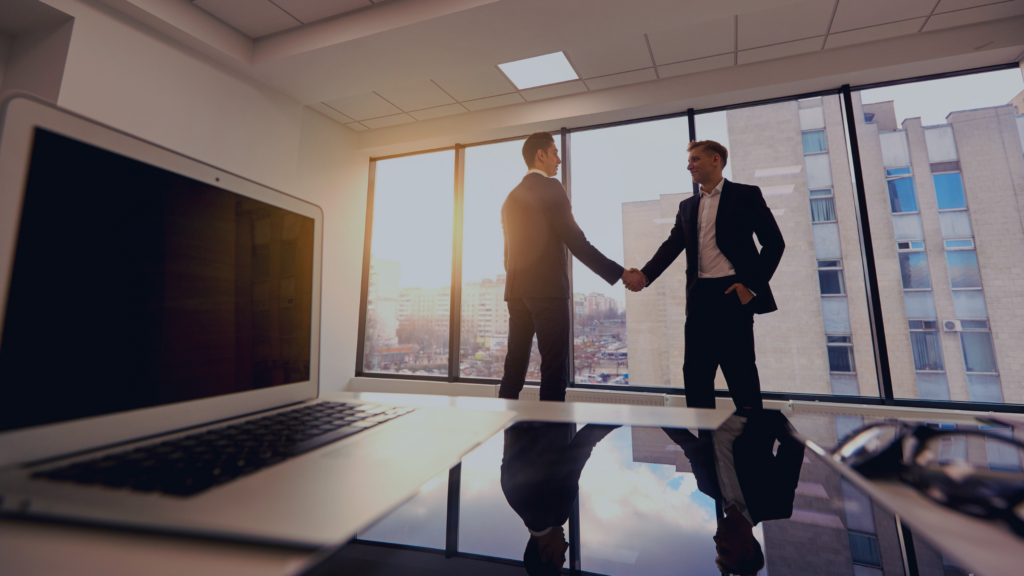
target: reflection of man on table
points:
(737, 467)
(540, 476)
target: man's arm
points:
(559, 213)
(667, 253)
(772, 245)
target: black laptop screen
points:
(133, 286)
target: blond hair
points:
(710, 146)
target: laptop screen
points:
(133, 287)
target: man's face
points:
(548, 160)
(704, 166)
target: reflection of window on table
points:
(864, 549)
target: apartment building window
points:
(840, 354)
(815, 142)
(976, 342)
(913, 265)
(901, 194)
(962, 261)
(949, 191)
(823, 207)
(927, 348)
(830, 277)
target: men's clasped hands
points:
(636, 281)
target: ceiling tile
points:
(693, 41)
(438, 112)
(555, 90)
(622, 79)
(313, 10)
(494, 102)
(975, 15)
(611, 56)
(852, 14)
(254, 18)
(785, 23)
(357, 127)
(363, 106)
(388, 121)
(780, 50)
(694, 66)
(330, 112)
(475, 84)
(950, 5)
(874, 33)
(416, 96)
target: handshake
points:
(634, 279)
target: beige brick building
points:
(944, 204)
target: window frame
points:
(876, 319)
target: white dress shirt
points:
(538, 171)
(711, 263)
(725, 466)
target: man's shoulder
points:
(742, 188)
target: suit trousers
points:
(719, 331)
(549, 319)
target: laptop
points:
(159, 352)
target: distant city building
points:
(382, 300)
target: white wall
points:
(127, 76)
(35, 62)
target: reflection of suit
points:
(768, 481)
(541, 467)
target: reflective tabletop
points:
(759, 494)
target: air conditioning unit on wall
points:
(952, 326)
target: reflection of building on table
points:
(945, 282)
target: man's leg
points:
(520, 340)
(700, 361)
(738, 359)
(552, 321)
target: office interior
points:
(888, 138)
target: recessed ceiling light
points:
(539, 71)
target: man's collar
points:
(538, 171)
(716, 189)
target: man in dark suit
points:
(540, 477)
(726, 277)
(538, 224)
(750, 483)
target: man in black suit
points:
(736, 466)
(538, 224)
(540, 477)
(726, 277)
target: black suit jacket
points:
(541, 468)
(538, 225)
(768, 480)
(742, 213)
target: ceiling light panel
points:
(539, 71)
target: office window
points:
(840, 354)
(927, 349)
(978, 353)
(626, 213)
(963, 268)
(949, 191)
(946, 129)
(913, 266)
(409, 291)
(901, 195)
(491, 172)
(815, 142)
(830, 277)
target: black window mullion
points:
(455, 306)
(364, 288)
(567, 184)
(691, 121)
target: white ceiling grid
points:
(782, 30)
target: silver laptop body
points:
(146, 297)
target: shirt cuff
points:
(542, 532)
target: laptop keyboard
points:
(190, 464)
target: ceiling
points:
(405, 65)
